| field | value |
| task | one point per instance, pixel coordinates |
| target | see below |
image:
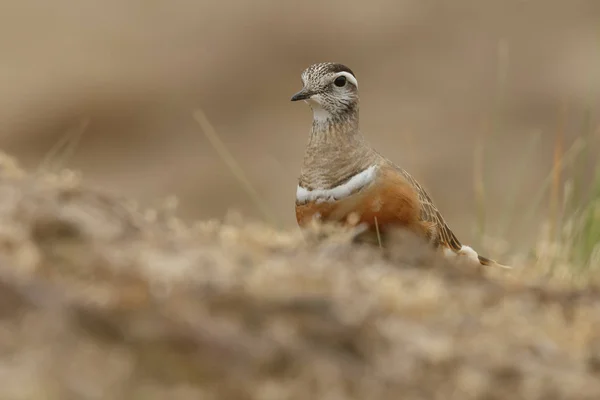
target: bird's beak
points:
(302, 95)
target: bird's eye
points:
(340, 81)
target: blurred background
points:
(469, 96)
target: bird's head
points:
(330, 89)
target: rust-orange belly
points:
(387, 201)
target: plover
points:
(344, 179)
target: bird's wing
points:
(440, 232)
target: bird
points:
(344, 179)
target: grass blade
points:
(234, 167)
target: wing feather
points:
(441, 234)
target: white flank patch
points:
(355, 183)
(465, 251)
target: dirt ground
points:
(437, 79)
(102, 300)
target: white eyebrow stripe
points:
(355, 183)
(348, 76)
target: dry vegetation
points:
(99, 300)
(492, 105)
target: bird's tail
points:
(473, 257)
(488, 262)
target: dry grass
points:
(100, 300)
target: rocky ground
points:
(99, 300)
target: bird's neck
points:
(336, 150)
(326, 122)
(328, 129)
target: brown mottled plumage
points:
(344, 179)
